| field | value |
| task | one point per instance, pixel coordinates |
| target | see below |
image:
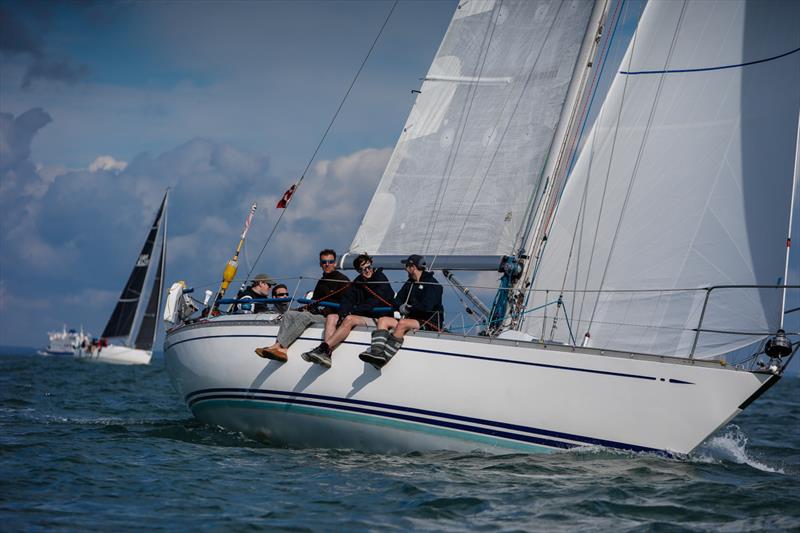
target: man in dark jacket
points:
(258, 289)
(330, 288)
(369, 298)
(419, 302)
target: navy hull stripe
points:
(463, 423)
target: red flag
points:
(283, 202)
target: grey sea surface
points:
(95, 447)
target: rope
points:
(324, 135)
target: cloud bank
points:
(70, 236)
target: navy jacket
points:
(330, 288)
(258, 307)
(424, 301)
(364, 295)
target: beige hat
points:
(263, 277)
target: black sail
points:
(147, 330)
(121, 321)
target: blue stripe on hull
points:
(458, 423)
(375, 420)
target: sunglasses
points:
(365, 268)
(281, 294)
(327, 261)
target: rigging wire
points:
(324, 135)
(507, 127)
(635, 172)
(601, 55)
(462, 126)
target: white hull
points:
(121, 355)
(48, 352)
(451, 392)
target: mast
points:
(518, 271)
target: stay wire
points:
(463, 119)
(635, 172)
(324, 135)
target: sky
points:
(103, 105)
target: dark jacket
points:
(366, 294)
(330, 288)
(256, 307)
(425, 301)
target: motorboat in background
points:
(65, 342)
(133, 324)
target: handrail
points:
(708, 290)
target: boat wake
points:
(731, 446)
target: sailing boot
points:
(393, 344)
(374, 354)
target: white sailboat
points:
(631, 278)
(131, 322)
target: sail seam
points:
(707, 69)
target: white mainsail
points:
(475, 144)
(685, 183)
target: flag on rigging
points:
(284, 201)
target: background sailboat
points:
(132, 323)
(482, 179)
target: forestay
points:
(472, 151)
(685, 183)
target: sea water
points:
(88, 446)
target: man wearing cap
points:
(259, 288)
(330, 288)
(420, 304)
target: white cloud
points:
(83, 228)
(107, 162)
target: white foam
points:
(730, 446)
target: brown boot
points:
(274, 352)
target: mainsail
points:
(473, 150)
(683, 185)
(124, 315)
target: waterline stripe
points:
(706, 69)
(517, 442)
(422, 415)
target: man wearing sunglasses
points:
(330, 288)
(369, 297)
(281, 291)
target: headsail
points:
(147, 329)
(685, 183)
(122, 318)
(474, 147)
